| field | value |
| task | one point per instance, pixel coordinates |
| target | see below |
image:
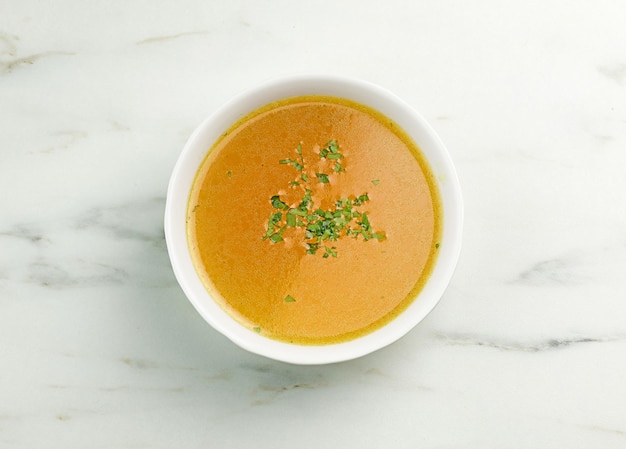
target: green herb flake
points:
(289, 298)
(358, 201)
(277, 203)
(375, 181)
(365, 222)
(323, 178)
(291, 220)
(437, 245)
(312, 248)
(278, 235)
(330, 252)
(298, 212)
(229, 174)
(257, 329)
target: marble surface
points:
(99, 347)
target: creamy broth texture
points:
(279, 290)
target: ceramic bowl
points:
(203, 138)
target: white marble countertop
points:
(99, 347)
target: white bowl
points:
(362, 92)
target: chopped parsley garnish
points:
(375, 181)
(361, 199)
(297, 164)
(319, 225)
(278, 236)
(277, 203)
(289, 298)
(330, 252)
(331, 152)
(323, 178)
(291, 220)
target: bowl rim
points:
(202, 140)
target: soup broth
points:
(314, 220)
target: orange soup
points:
(314, 220)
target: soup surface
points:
(314, 220)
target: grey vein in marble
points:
(7, 44)
(614, 72)
(621, 432)
(45, 270)
(273, 385)
(25, 233)
(550, 272)
(83, 242)
(537, 346)
(123, 220)
(83, 274)
(66, 140)
(7, 67)
(157, 39)
(8, 47)
(146, 364)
